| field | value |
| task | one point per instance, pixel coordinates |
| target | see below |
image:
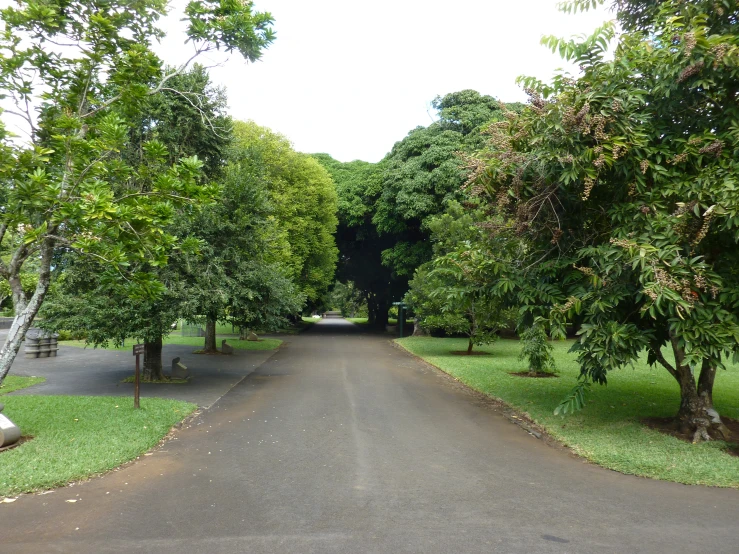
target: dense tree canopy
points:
(86, 302)
(423, 173)
(452, 292)
(385, 208)
(236, 275)
(304, 200)
(623, 183)
(359, 243)
(66, 187)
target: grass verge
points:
(261, 344)
(76, 437)
(608, 431)
(390, 321)
(357, 320)
(18, 382)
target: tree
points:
(453, 292)
(385, 208)
(238, 275)
(348, 299)
(188, 118)
(625, 179)
(303, 198)
(83, 301)
(537, 350)
(424, 172)
(66, 188)
(358, 184)
(443, 299)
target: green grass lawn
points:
(262, 344)
(79, 436)
(608, 430)
(390, 321)
(357, 320)
(16, 382)
(299, 327)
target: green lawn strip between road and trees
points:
(358, 320)
(17, 382)
(261, 344)
(608, 431)
(365, 321)
(75, 437)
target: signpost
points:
(137, 349)
(401, 315)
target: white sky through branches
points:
(351, 78)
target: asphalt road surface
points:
(342, 443)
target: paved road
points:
(342, 443)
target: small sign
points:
(138, 349)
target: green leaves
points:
(303, 199)
(622, 185)
(230, 24)
(575, 400)
(536, 348)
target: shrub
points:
(536, 348)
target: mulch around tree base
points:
(535, 374)
(473, 353)
(24, 438)
(668, 426)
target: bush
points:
(536, 348)
(71, 335)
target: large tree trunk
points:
(377, 305)
(469, 347)
(25, 311)
(696, 415)
(371, 309)
(210, 335)
(153, 360)
(381, 317)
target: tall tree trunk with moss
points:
(210, 335)
(25, 310)
(153, 360)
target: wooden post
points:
(137, 350)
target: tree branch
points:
(662, 360)
(203, 117)
(178, 71)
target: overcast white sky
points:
(351, 78)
